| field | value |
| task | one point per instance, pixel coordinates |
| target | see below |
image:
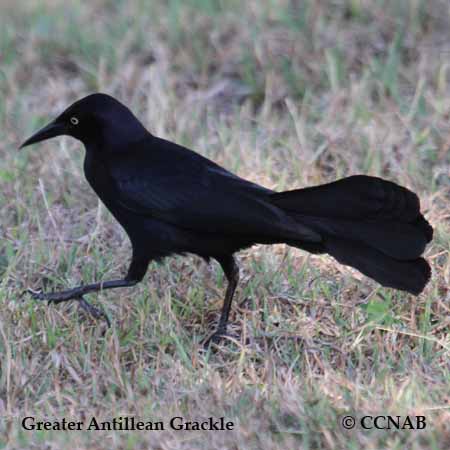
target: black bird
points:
(171, 200)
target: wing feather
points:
(176, 185)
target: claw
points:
(215, 339)
(36, 295)
(95, 312)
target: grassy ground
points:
(288, 94)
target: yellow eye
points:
(74, 121)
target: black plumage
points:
(171, 200)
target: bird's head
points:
(97, 120)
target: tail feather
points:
(396, 239)
(368, 223)
(355, 197)
(411, 276)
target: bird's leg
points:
(77, 294)
(79, 291)
(136, 272)
(231, 271)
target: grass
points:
(288, 94)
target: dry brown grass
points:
(286, 99)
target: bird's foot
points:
(54, 297)
(216, 338)
(72, 294)
(95, 312)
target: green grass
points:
(287, 94)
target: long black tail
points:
(368, 223)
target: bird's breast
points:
(98, 177)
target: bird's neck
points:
(115, 142)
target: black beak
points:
(53, 129)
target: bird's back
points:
(157, 179)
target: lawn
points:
(285, 93)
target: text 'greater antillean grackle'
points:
(171, 200)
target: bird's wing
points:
(178, 186)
